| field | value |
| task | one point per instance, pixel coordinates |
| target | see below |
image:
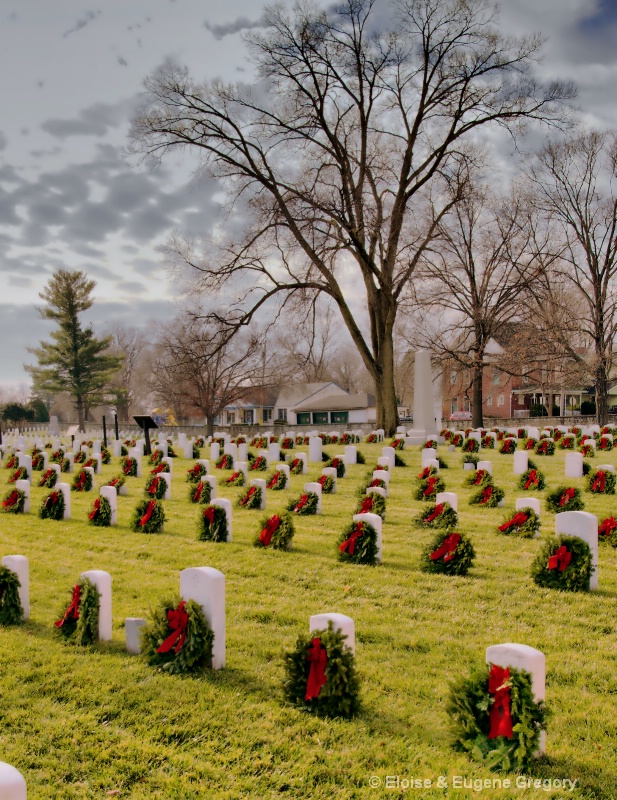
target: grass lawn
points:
(97, 722)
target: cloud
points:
(229, 28)
(3, 141)
(88, 17)
(95, 120)
(122, 61)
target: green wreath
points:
(398, 461)
(426, 473)
(372, 503)
(287, 443)
(471, 446)
(124, 451)
(276, 532)
(57, 457)
(117, 482)
(11, 611)
(339, 696)
(277, 480)
(437, 515)
(200, 493)
(469, 458)
(195, 452)
(105, 455)
(212, 525)
(360, 458)
(448, 553)
(48, 479)
(250, 499)
(38, 462)
(82, 482)
(565, 498)
(100, 513)
(79, 457)
(80, 620)
(305, 505)
(376, 483)
(171, 453)
(155, 457)
(601, 482)
(260, 464)
(297, 466)
(488, 497)
(469, 706)
(128, 465)
(488, 443)
(235, 479)
(339, 465)
(65, 465)
(532, 480)
(162, 467)
(14, 502)
(545, 447)
(357, 544)
(607, 531)
(605, 444)
(148, 517)
(93, 463)
(156, 486)
(442, 464)
(524, 523)
(195, 473)
(567, 442)
(194, 637)
(327, 484)
(508, 446)
(52, 506)
(11, 463)
(481, 477)
(20, 474)
(568, 569)
(429, 488)
(225, 462)
(530, 443)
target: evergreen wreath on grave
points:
(398, 444)
(564, 563)
(530, 443)
(156, 486)
(469, 458)
(171, 453)
(446, 433)
(576, 430)
(605, 444)
(220, 440)
(532, 480)
(177, 639)
(601, 481)
(320, 674)
(276, 531)
(130, 442)
(426, 473)
(123, 451)
(327, 484)
(212, 524)
(235, 479)
(38, 461)
(429, 444)
(287, 443)
(481, 477)
(607, 531)
(155, 457)
(11, 463)
(357, 544)
(325, 457)
(471, 446)
(117, 482)
(148, 517)
(65, 465)
(162, 467)
(372, 437)
(297, 465)
(508, 446)
(521, 433)
(558, 437)
(545, 447)
(372, 503)
(438, 515)
(48, 479)
(428, 489)
(567, 442)
(20, 474)
(524, 523)
(225, 462)
(250, 499)
(201, 442)
(488, 443)
(489, 497)
(565, 498)
(93, 463)
(80, 457)
(276, 480)
(457, 440)
(375, 482)
(52, 506)
(105, 455)
(586, 467)
(495, 719)
(377, 467)
(305, 505)
(259, 442)
(448, 553)
(350, 438)
(299, 439)
(100, 513)
(200, 493)
(82, 482)
(339, 465)
(129, 466)
(195, 473)
(260, 464)
(80, 621)
(14, 501)
(587, 450)
(11, 611)
(398, 461)
(57, 457)
(195, 451)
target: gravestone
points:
(215, 450)
(102, 581)
(135, 453)
(12, 783)
(574, 465)
(230, 449)
(274, 452)
(19, 565)
(111, 495)
(24, 486)
(331, 471)
(166, 476)
(90, 470)
(25, 460)
(243, 467)
(132, 631)
(351, 454)
(383, 475)
(389, 452)
(206, 586)
(117, 448)
(340, 622)
(487, 466)
(428, 454)
(66, 493)
(303, 459)
(315, 449)
(528, 502)
(376, 490)
(447, 497)
(315, 488)
(226, 505)
(284, 468)
(212, 481)
(521, 462)
(204, 463)
(585, 526)
(606, 467)
(260, 483)
(376, 522)
(243, 451)
(170, 464)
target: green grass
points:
(96, 722)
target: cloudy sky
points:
(71, 197)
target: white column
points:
(117, 448)
(170, 464)
(528, 502)
(274, 452)
(206, 586)
(91, 471)
(205, 464)
(19, 565)
(428, 454)
(136, 453)
(389, 452)
(340, 622)
(377, 523)
(102, 581)
(12, 783)
(283, 468)
(243, 451)
(111, 495)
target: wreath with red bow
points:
(601, 481)
(277, 481)
(607, 531)
(565, 498)
(530, 443)
(48, 479)
(357, 544)
(129, 466)
(481, 477)
(156, 486)
(100, 513)
(339, 465)
(117, 482)
(427, 489)
(79, 620)
(372, 503)
(327, 484)
(488, 497)
(225, 462)
(287, 443)
(297, 466)
(260, 464)
(11, 463)
(508, 446)
(20, 474)
(488, 443)
(82, 481)
(200, 493)
(52, 506)
(448, 553)
(563, 563)
(148, 517)
(532, 480)
(212, 525)
(195, 473)
(38, 461)
(178, 638)
(14, 502)
(11, 611)
(155, 457)
(305, 505)
(276, 531)
(567, 442)
(250, 499)
(524, 523)
(545, 447)
(471, 446)
(438, 515)
(605, 444)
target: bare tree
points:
(576, 191)
(334, 156)
(128, 385)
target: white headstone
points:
(24, 486)
(90, 471)
(187, 450)
(25, 460)
(377, 523)
(274, 452)
(102, 581)
(376, 490)
(487, 466)
(117, 448)
(315, 488)
(215, 450)
(170, 464)
(283, 468)
(389, 452)
(521, 462)
(225, 504)
(528, 502)
(205, 464)
(605, 467)
(206, 586)
(243, 451)
(383, 475)
(166, 476)
(135, 453)
(303, 459)
(19, 565)
(260, 484)
(574, 465)
(111, 495)
(351, 454)
(428, 454)
(132, 631)
(331, 471)
(447, 497)
(212, 481)
(12, 783)
(585, 526)
(230, 449)
(66, 492)
(340, 622)
(315, 449)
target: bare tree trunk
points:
(601, 382)
(209, 426)
(385, 389)
(476, 392)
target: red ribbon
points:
(599, 482)
(437, 512)
(318, 656)
(560, 559)
(479, 477)
(367, 506)
(430, 487)
(178, 620)
(95, 510)
(73, 609)
(154, 486)
(51, 499)
(272, 525)
(113, 482)
(486, 494)
(423, 476)
(209, 514)
(276, 477)
(447, 548)
(128, 466)
(350, 544)
(197, 493)
(532, 478)
(149, 511)
(517, 519)
(500, 716)
(301, 502)
(248, 496)
(608, 526)
(11, 500)
(567, 496)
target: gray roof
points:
(337, 402)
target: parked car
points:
(458, 415)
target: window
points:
(320, 418)
(453, 377)
(303, 418)
(282, 414)
(267, 415)
(340, 417)
(467, 404)
(248, 417)
(454, 405)
(501, 400)
(231, 417)
(496, 377)
(489, 400)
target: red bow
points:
(178, 620)
(608, 526)
(486, 494)
(11, 500)
(599, 481)
(479, 477)
(248, 496)
(154, 486)
(350, 544)
(426, 473)
(95, 510)
(437, 512)
(209, 514)
(367, 506)
(113, 482)
(318, 656)
(532, 478)
(447, 548)
(73, 609)
(430, 487)
(277, 475)
(560, 559)
(272, 525)
(149, 511)
(567, 496)
(321, 481)
(197, 493)
(301, 502)
(376, 482)
(499, 715)
(128, 466)
(517, 519)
